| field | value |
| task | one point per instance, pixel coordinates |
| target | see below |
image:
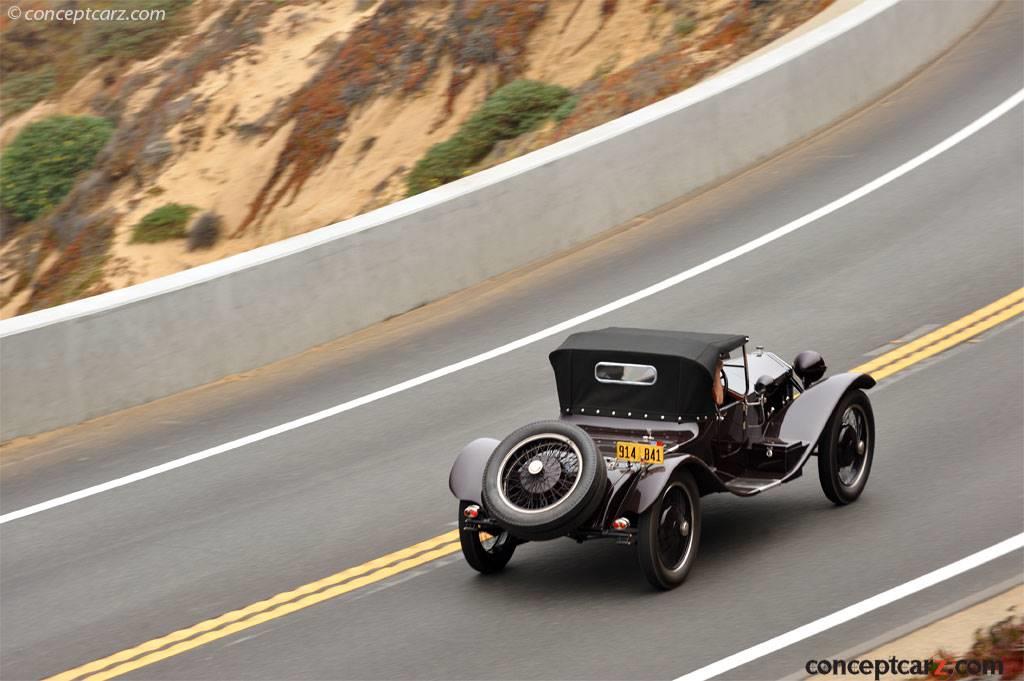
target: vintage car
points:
(643, 433)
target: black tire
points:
(557, 498)
(666, 547)
(845, 450)
(485, 554)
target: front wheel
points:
(847, 448)
(669, 533)
(485, 553)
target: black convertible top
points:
(702, 348)
(685, 362)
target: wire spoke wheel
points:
(544, 480)
(540, 473)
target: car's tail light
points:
(471, 511)
(620, 524)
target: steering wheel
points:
(725, 381)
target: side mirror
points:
(809, 366)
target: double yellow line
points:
(943, 339)
(282, 604)
(445, 544)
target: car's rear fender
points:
(467, 476)
(807, 417)
(650, 485)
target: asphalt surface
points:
(105, 573)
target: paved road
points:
(85, 580)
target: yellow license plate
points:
(640, 452)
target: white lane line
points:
(660, 286)
(917, 623)
(856, 610)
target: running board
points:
(747, 487)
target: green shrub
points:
(566, 108)
(684, 26)
(515, 108)
(510, 111)
(163, 223)
(20, 92)
(39, 167)
(443, 163)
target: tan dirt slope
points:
(283, 117)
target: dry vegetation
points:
(396, 50)
(274, 117)
(1003, 641)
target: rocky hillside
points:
(134, 151)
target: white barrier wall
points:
(95, 356)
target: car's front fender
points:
(807, 417)
(467, 476)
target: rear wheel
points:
(669, 533)
(485, 553)
(847, 449)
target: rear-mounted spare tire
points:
(544, 480)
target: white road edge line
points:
(658, 287)
(856, 610)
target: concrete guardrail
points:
(95, 356)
